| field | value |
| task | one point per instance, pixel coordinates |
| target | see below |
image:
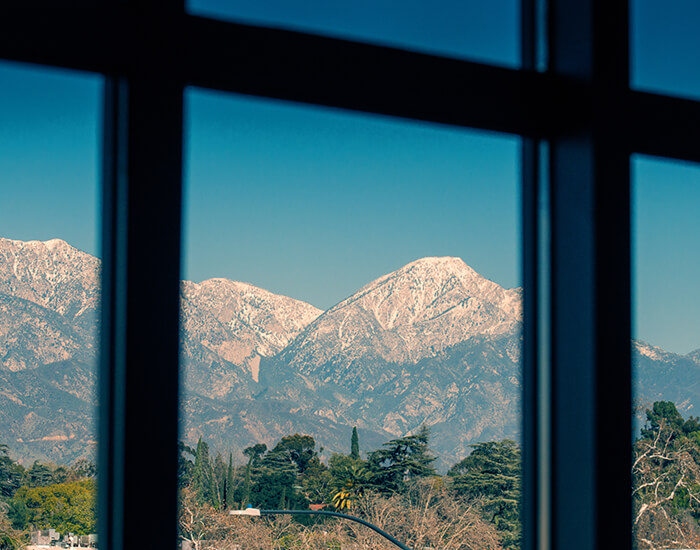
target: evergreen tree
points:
(298, 450)
(253, 453)
(203, 476)
(11, 473)
(39, 475)
(492, 472)
(219, 481)
(276, 475)
(230, 504)
(663, 416)
(400, 461)
(185, 466)
(355, 445)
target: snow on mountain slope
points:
(240, 322)
(415, 312)
(52, 274)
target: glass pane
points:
(664, 45)
(49, 303)
(666, 353)
(351, 323)
(482, 31)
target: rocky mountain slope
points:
(431, 343)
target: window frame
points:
(579, 121)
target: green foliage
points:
(400, 461)
(11, 473)
(185, 464)
(492, 473)
(39, 475)
(350, 481)
(229, 488)
(275, 481)
(254, 454)
(662, 415)
(10, 538)
(355, 445)
(203, 481)
(18, 514)
(298, 450)
(666, 477)
(82, 469)
(66, 507)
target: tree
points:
(66, 507)
(492, 472)
(185, 464)
(350, 481)
(298, 449)
(39, 475)
(254, 453)
(82, 469)
(203, 481)
(11, 473)
(666, 479)
(275, 480)
(10, 538)
(355, 445)
(663, 415)
(219, 471)
(400, 461)
(197, 521)
(230, 473)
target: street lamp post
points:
(257, 512)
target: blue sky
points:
(314, 203)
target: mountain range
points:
(431, 343)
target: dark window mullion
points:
(141, 273)
(590, 269)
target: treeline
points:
(45, 496)
(475, 505)
(482, 491)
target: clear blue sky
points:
(314, 203)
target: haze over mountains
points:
(433, 342)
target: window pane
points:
(482, 31)
(666, 354)
(349, 271)
(49, 303)
(664, 45)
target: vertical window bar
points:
(590, 270)
(139, 381)
(534, 514)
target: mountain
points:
(232, 323)
(49, 303)
(431, 343)
(49, 299)
(659, 375)
(418, 311)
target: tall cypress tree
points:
(203, 475)
(253, 453)
(229, 483)
(355, 445)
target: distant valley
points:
(431, 343)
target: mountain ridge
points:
(432, 342)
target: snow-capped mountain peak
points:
(414, 312)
